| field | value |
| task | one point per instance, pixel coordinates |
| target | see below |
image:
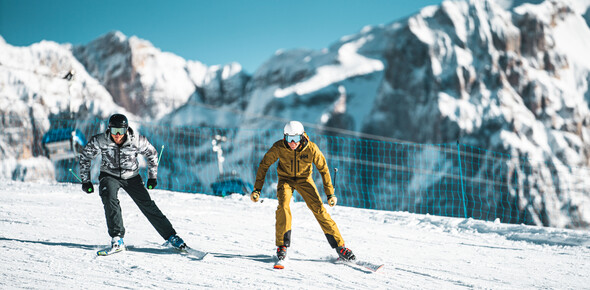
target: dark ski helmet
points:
(118, 121)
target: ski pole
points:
(334, 183)
(261, 200)
(72, 172)
(160, 157)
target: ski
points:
(368, 265)
(109, 251)
(279, 264)
(199, 255)
(364, 264)
(188, 251)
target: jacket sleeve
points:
(320, 163)
(269, 158)
(151, 155)
(90, 151)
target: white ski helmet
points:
(294, 128)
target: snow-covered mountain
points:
(505, 76)
(151, 83)
(33, 91)
(509, 80)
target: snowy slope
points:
(50, 233)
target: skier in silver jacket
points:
(119, 160)
(119, 148)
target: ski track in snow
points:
(51, 232)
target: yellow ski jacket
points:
(295, 164)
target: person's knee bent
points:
(317, 208)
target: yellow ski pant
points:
(309, 192)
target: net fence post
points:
(461, 179)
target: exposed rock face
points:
(505, 80)
(151, 83)
(33, 90)
(508, 79)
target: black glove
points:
(87, 187)
(152, 183)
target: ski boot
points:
(281, 252)
(281, 255)
(117, 244)
(345, 253)
(177, 242)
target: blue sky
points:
(212, 31)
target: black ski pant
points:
(109, 188)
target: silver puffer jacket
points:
(120, 161)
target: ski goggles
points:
(120, 131)
(293, 138)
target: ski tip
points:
(108, 252)
(279, 264)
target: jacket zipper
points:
(119, 154)
(295, 163)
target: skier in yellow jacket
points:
(296, 154)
